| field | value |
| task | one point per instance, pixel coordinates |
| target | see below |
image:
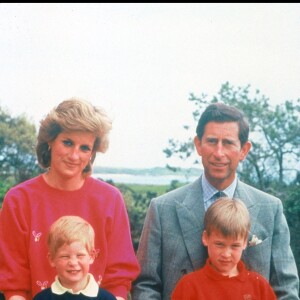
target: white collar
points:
(91, 290)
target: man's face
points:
(221, 152)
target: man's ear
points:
(245, 150)
(197, 144)
(204, 238)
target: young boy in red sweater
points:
(71, 252)
(224, 276)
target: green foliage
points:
(291, 203)
(274, 157)
(137, 198)
(17, 151)
(5, 185)
(272, 164)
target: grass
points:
(141, 188)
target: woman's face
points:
(71, 152)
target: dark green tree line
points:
(274, 157)
(17, 150)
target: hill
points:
(156, 171)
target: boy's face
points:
(72, 263)
(224, 252)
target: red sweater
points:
(28, 211)
(208, 284)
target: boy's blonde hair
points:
(228, 216)
(68, 229)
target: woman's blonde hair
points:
(228, 216)
(73, 115)
(68, 229)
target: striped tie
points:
(220, 194)
(216, 196)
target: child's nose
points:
(226, 252)
(72, 261)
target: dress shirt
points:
(209, 191)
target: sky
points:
(140, 62)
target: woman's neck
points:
(63, 183)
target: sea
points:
(145, 179)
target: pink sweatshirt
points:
(28, 211)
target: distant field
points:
(140, 188)
(147, 179)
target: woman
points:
(68, 139)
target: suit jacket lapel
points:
(245, 194)
(242, 193)
(191, 215)
(191, 212)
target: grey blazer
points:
(170, 244)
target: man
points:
(170, 242)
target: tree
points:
(272, 164)
(17, 149)
(274, 157)
(292, 211)
(137, 203)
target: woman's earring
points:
(49, 148)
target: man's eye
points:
(212, 141)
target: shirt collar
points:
(91, 290)
(209, 190)
(215, 275)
